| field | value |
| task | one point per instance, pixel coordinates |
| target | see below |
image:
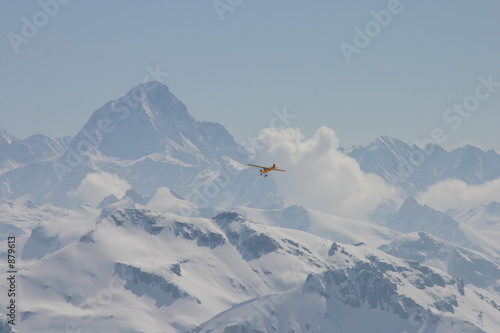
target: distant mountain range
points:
(148, 138)
(15, 152)
(413, 169)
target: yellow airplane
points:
(266, 170)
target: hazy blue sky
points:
(262, 55)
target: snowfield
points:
(153, 271)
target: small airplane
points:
(266, 169)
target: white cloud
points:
(96, 186)
(456, 194)
(319, 176)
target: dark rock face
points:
(40, 244)
(176, 269)
(240, 329)
(226, 218)
(189, 232)
(447, 304)
(137, 217)
(260, 244)
(249, 242)
(333, 249)
(143, 283)
(211, 239)
(374, 284)
(150, 223)
(88, 237)
(467, 265)
(362, 284)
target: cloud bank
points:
(96, 186)
(456, 194)
(319, 176)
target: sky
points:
(414, 70)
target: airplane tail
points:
(274, 165)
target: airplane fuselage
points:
(264, 170)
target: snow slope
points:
(141, 270)
(363, 291)
(346, 230)
(471, 266)
(413, 217)
(485, 218)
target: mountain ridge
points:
(413, 217)
(148, 139)
(413, 169)
(16, 152)
(158, 265)
(142, 120)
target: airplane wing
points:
(257, 166)
(275, 169)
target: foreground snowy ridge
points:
(228, 274)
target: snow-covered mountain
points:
(470, 266)
(150, 119)
(148, 220)
(140, 270)
(144, 140)
(413, 217)
(148, 140)
(370, 293)
(485, 218)
(15, 152)
(346, 230)
(414, 169)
